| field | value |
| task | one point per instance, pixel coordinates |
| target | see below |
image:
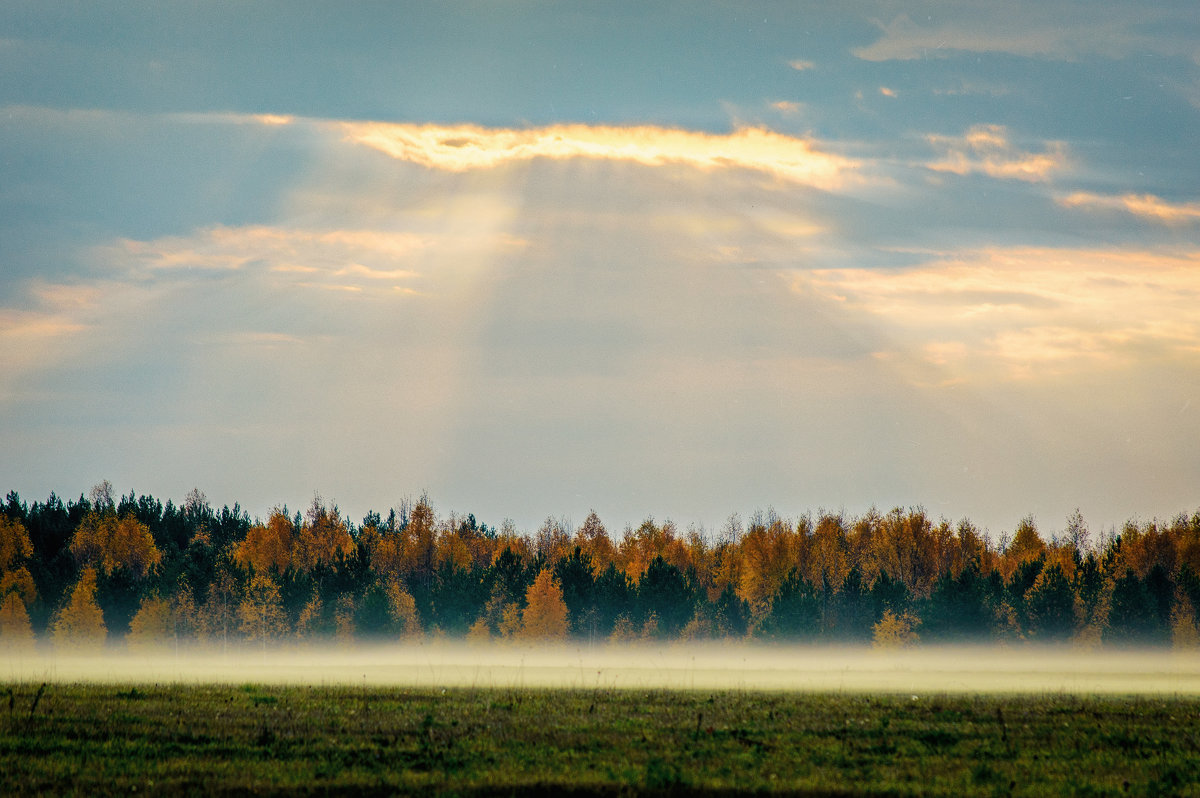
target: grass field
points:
(107, 739)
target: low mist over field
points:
(930, 670)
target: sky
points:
(668, 260)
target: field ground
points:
(90, 739)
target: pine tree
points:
(1131, 616)
(1051, 606)
(664, 592)
(795, 611)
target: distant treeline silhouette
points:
(96, 570)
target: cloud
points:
(986, 149)
(461, 148)
(59, 325)
(1032, 32)
(1146, 206)
(25, 338)
(1026, 312)
(787, 106)
(347, 260)
(886, 92)
(273, 120)
(801, 65)
(54, 310)
(67, 117)
(965, 88)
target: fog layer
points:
(685, 667)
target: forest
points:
(132, 571)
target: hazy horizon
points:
(924, 671)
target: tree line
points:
(133, 570)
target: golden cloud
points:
(1147, 206)
(23, 325)
(786, 106)
(986, 149)
(462, 148)
(1018, 312)
(274, 120)
(28, 336)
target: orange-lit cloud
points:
(29, 336)
(886, 92)
(986, 149)
(786, 106)
(461, 148)
(19, 327)
(800, 64)
(274, 119)
(1020, 312)
(1146, 206)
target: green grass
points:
(93, 739)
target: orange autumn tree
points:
(15, 547)
(592, 539)
(17, 590)
(545, 615)
(404, 609)
(553, 539)
(108, 543)
(906, 548)
(80, 624)
(1026, 545)
(152, 624)
(768, 552)
(15, 628)
(419, 543)
(388, 550)
(19, 583)
(641, 546)
(454, 549)
(261, 612)
(267, 546)
(894, 631)
(322, 538)
(827, 560)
